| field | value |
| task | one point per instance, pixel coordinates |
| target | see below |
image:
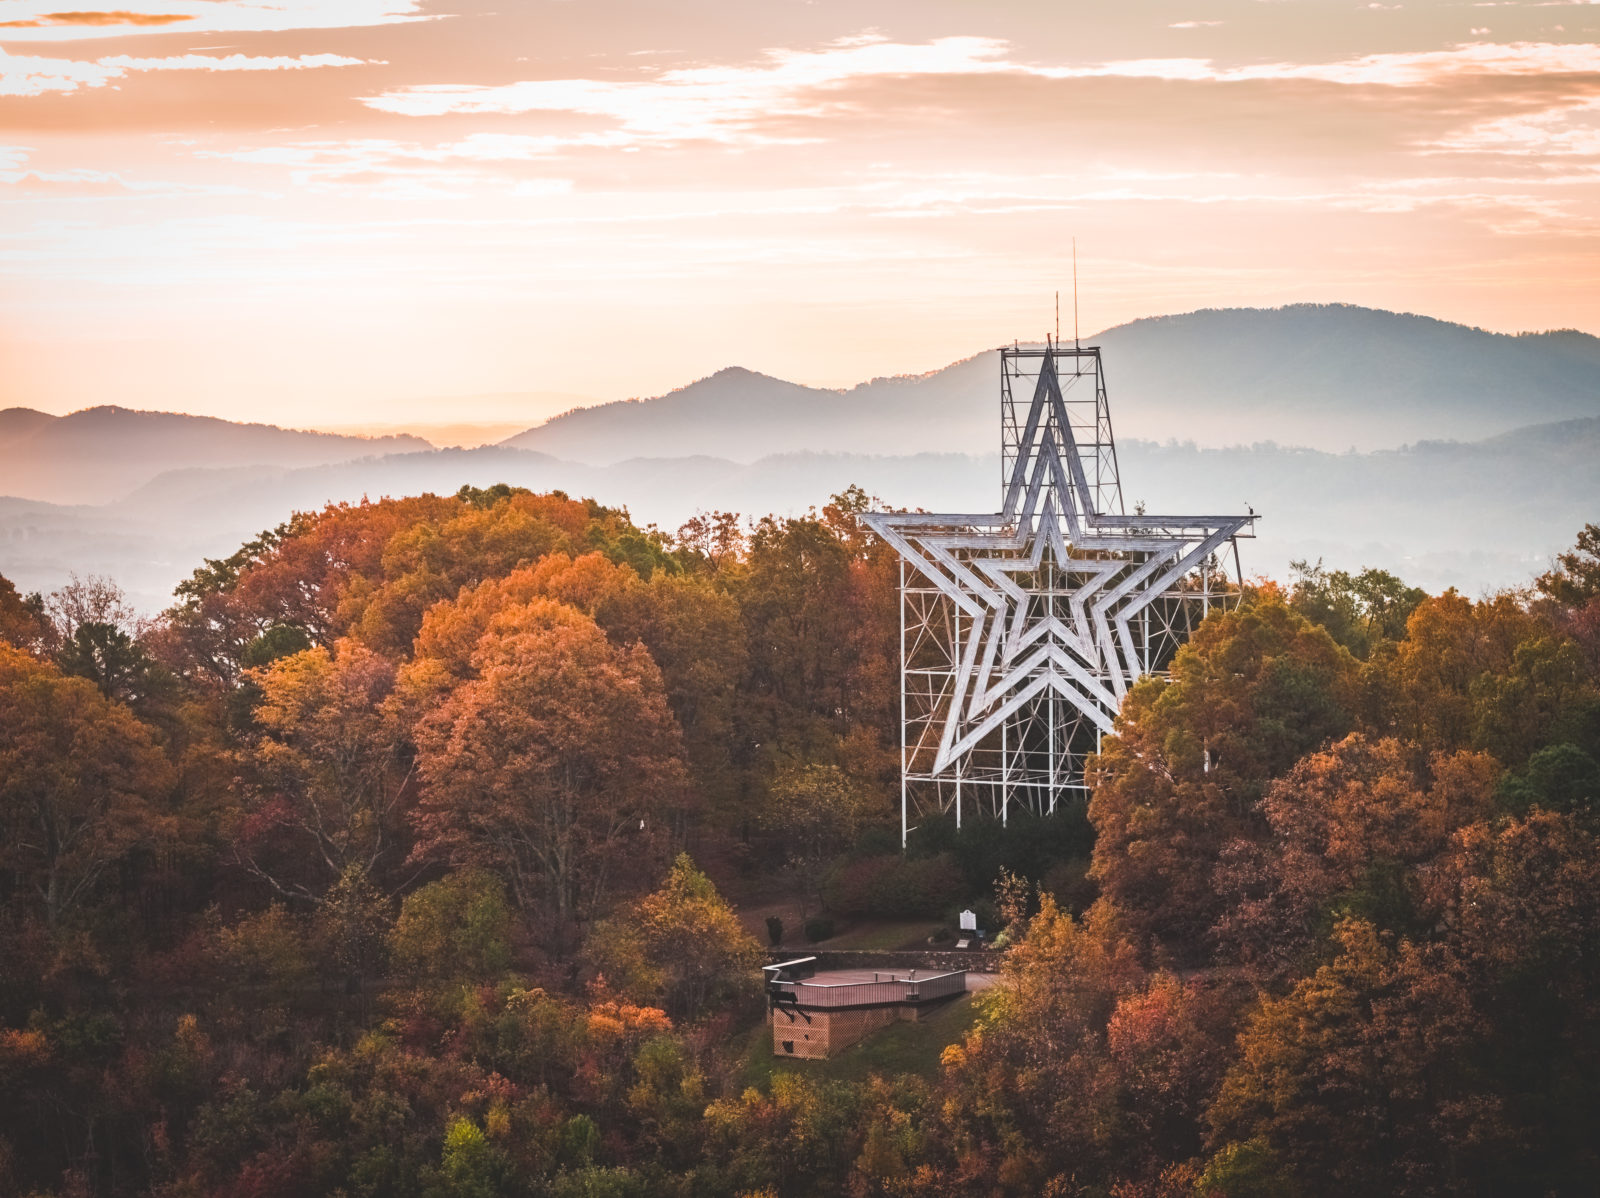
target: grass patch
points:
(899, 1048)
(882, 937)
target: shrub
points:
(819, 927)
(1070, 884)
(775, 930)
(895, 886)
(459, 927)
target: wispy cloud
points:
(839, 202)
(366, 153)
(407, 170)
(27, 75)
(716, 103)
(1552, 136)
(745, 103)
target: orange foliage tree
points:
(1489, 675)
(330, 770)
(1346, 825)
(1192, 755)
(555, 764)
(1360, 1079)
(23, 623)
(81, 783)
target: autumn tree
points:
(371, 569)
(316, 574)
(261, 957)
(1569, 594)
(23, 622)
(1519, 904)
(433, 559)
(1359, 611)
(681, 947)
(709, 542)
(819, 605)
(554, 764)
(457, 927)
(207, 634)
(691, 629)
(330, 773)
(1183, 776)
(1488, 675)
(798, 1136)
(80, 784)
(1025, 1088)
(1574, 579)
(1167, 1046)
(694, 633)
(1348, 824)
(814, 812)
(1359, 1079)
(94, 599)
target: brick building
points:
(817, 1015)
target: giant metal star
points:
(1123, 563)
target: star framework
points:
(1022, 630)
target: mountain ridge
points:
(99, 453)
(1325, 375)
(1423, 510)
(1328, 376)
(1469, 485)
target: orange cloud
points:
(119, 17)
(38, 20)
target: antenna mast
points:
(1075, 344)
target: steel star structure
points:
(1021, 630)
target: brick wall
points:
(829, 1032)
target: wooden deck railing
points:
(823, 995)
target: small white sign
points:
(969, 921)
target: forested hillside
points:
(393, 859)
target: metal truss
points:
(1022, 630)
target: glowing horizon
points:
(344, 212)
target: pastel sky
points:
(332, 211)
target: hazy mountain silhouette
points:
(1329, 376)
(102, 453)
(1325, 376)
(741, 415)
(1474, 515)
(1483, 452)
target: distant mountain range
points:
(1326, 376)
(1474, 515)
(101, 454)
(1503, 468)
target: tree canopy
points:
(415, 851)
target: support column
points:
(905, 764)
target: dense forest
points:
(391, 860)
